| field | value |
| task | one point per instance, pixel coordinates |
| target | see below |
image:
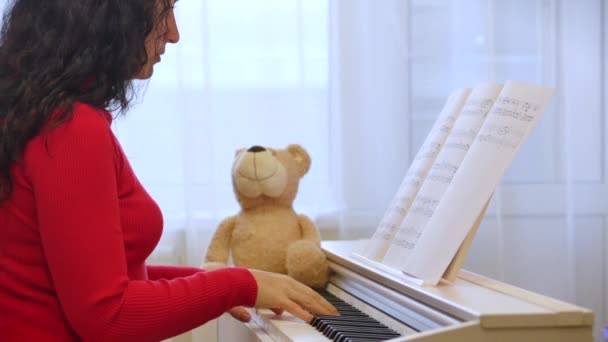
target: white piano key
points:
(286, 327)
(371, 311)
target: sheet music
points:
(421, 164)
(447, 162)
(515, 113)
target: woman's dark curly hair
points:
(54, 53)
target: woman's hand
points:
(242, 313)
(278, 291)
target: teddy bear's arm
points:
(309, 229)
(219, 248)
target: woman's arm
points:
(73, 175)
(156, 272)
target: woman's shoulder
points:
(84, 139)
(85, 124)
(85, 113)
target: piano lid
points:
(470, 296)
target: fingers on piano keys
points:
(352, 324)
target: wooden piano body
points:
(472, 308)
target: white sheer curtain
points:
(393, 65)
(244, 73)
(358, 83)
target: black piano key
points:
(367, 339)
(339, 326)
(330, 296)
(326, 323)
(357, 317)
(360, 328)
(344, 308)
(346, 320)
(352, 324)
(368, 324)
(343, 337)
(375, 329)
(323, 291)
(333, 323)
(333, 331)
(353, 313)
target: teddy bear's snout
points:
(258, 172)
(257, 166)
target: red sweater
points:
(74, 237)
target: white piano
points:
(473, 308)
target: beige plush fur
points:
(267, 233)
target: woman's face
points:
(164, 31)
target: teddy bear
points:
(267, 234)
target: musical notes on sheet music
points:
(510, 118)
(415, 175)
(442, 171)
(446, 190)
(507, 125)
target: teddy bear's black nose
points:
(256, 148)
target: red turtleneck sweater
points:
(74, 237)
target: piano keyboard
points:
(376, 315)
(377, 306)
(358, 321)
(353, 325)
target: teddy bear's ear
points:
(301, 158)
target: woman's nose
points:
(172, 30)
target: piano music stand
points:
(451, 272)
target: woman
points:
(76, 226)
